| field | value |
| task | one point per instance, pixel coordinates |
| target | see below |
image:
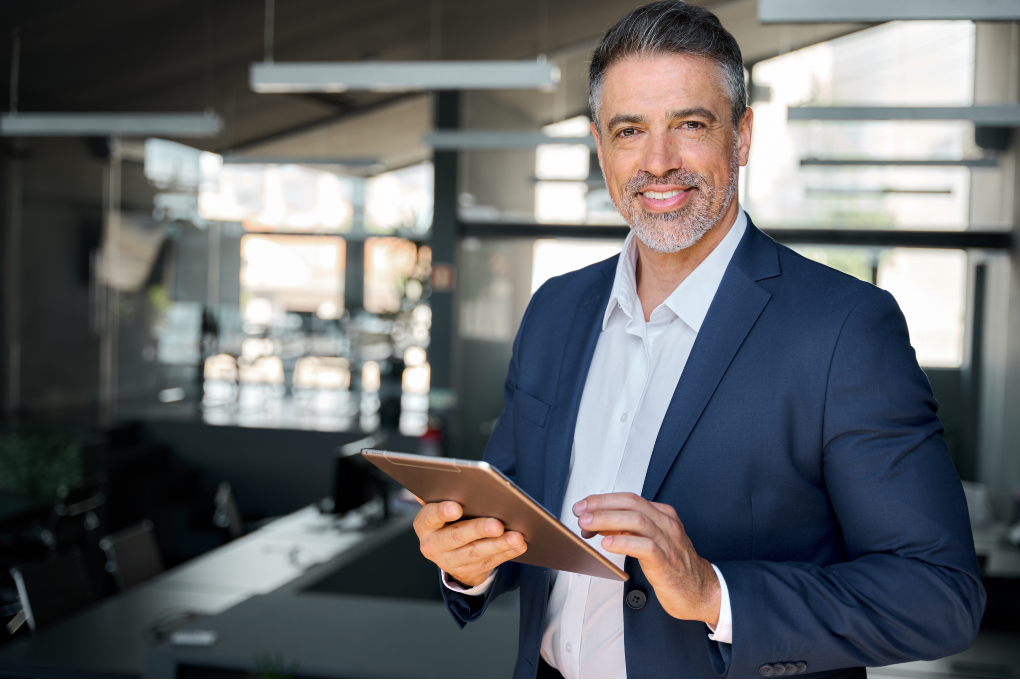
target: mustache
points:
(685, 178)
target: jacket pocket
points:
(531, 409)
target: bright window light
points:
(578, 126)
(293, 273)
(553, 257)
(562, 161)
(930, 287)
(414, 356)
(275, 197)
(371, 377)
(562, 202)
(911, 63)
(388, 263)
(401, 199)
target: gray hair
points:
(669, 27)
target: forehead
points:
(668, 81)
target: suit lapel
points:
(736, 307)
(584, 336)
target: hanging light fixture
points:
(404, 76)
(397, 76)
(179, 125)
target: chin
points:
(662, 239)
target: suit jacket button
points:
(636, 599)
(802, 666)
(765, 670)
(779, 669)
(791, 668)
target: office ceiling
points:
(193, 55)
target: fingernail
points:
(585, 519)
(514, 539)
(492, 528)
(450, 511)
(607, 541)
(579, 506)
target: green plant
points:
(37, 464)
(273, 666)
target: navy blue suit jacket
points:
(802, 452)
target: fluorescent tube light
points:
(301, 160)
(987, 162)
(110, 125)
(491, 140)
(1005, 115)
(403, 76)
(875, 11)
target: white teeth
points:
(662, 194)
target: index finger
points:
(611, 501)
(433, 516)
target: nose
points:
(663, 153)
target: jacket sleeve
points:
(499, 453)
(910, 587)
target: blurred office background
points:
(223, 276)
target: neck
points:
(659, 274)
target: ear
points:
(744, 135)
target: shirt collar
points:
(692, 298)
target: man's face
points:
(668, 147)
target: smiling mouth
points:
(662, 195)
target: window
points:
(282, 273)
(864, 68)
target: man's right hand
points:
(466, 550)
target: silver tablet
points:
(484, 491)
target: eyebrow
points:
(693, 112)
(621, 118)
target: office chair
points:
(74, 518)
(51, 589)
(132, 555)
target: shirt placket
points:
(624, 419)
(649, 331)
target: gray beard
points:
(679, 229)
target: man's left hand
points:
(685, 584)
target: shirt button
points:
(623, 418)
(569, 647)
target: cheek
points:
(709, 161)
(619, 167)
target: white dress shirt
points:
(629, 386)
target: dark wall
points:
(59, 185)
(947, 385)
(61, 198)
(483, 367)
(272, 472)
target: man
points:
(747, 433)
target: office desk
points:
(1001, 559)
(108, 638)
(345, 636)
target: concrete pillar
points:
(993, 203)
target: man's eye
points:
(626, 132)
(691, 125)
